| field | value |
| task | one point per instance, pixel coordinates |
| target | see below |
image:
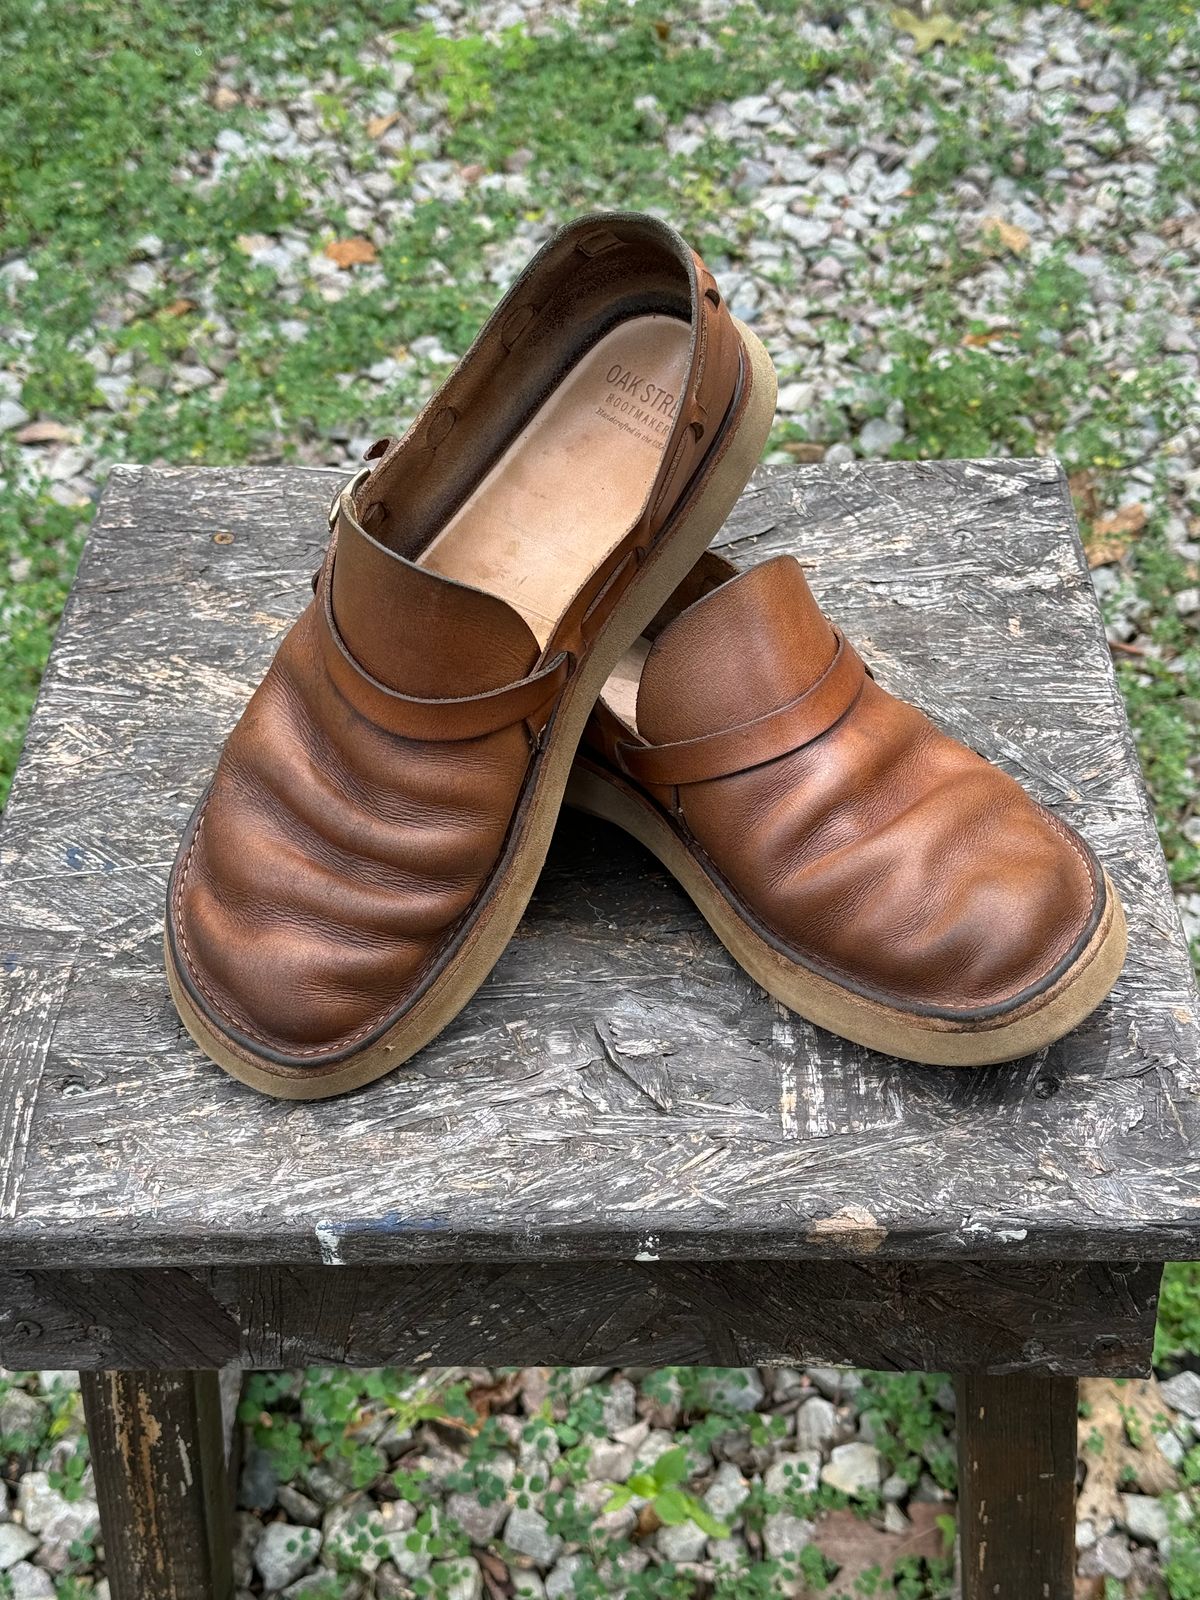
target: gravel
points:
(480, 1521)
(21, 1413)
(1108, 1557)
(71, 1524)
(856, 1469)
(560, 1580)
(28, 1582)
(727, 1493)
(879, 436)
(284, 1553)
(1145, 1518)
(315, 1586)
(37, 1503)
(784, 1531)
(479, 1525)
(456, 1580)
(298, 1507)
(785, 1534)
(1183, 1392)
(683, 1543)
(258, 1483)
(353, 1533)
(619, 1405)
(817, 1424)
(15, 1544)
(733, 1389)
(528, 1533)
(610, 1460)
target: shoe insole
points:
(570, 486)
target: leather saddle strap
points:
(530, 700)
(749, 744)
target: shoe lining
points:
(573, 481)
(621, 688)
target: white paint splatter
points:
(783, 1035)
(330, 1242)
(998, 1231)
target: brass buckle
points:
(335, 505)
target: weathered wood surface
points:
(1016, 1487)
(618, 1088)
(961, 1316)
(158, 1452)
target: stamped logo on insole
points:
(637, 405)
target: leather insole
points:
(570, 486)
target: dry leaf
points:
(178, 308)
(351, 252)
(858, 1546)
(378, 126)
(496, 1578)
(804, 450)
(647, 1522)
(1105, 552)
(928, 31)
(491, 1563)
(1129, 520)
(977, 341)
(1085, 492)
(1112, 536)
(1185, 229)
(1118, 1446)
(1006, 233)
(495, 1590)
(225, 99)
(485, 1398)
(43, 433)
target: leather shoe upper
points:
(365, 801)
(859, 837)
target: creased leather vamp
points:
(855, 835)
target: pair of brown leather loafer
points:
(516, 603)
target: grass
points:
(110, 165)
(581, 109)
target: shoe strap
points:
(530, 700)
(750, 744)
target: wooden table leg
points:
(1016, 1487)
(158, 1453)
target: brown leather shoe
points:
(867, 870)
(380, 813)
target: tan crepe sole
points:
(932, 1040)
(662, 572)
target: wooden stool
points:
(621, 1152)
